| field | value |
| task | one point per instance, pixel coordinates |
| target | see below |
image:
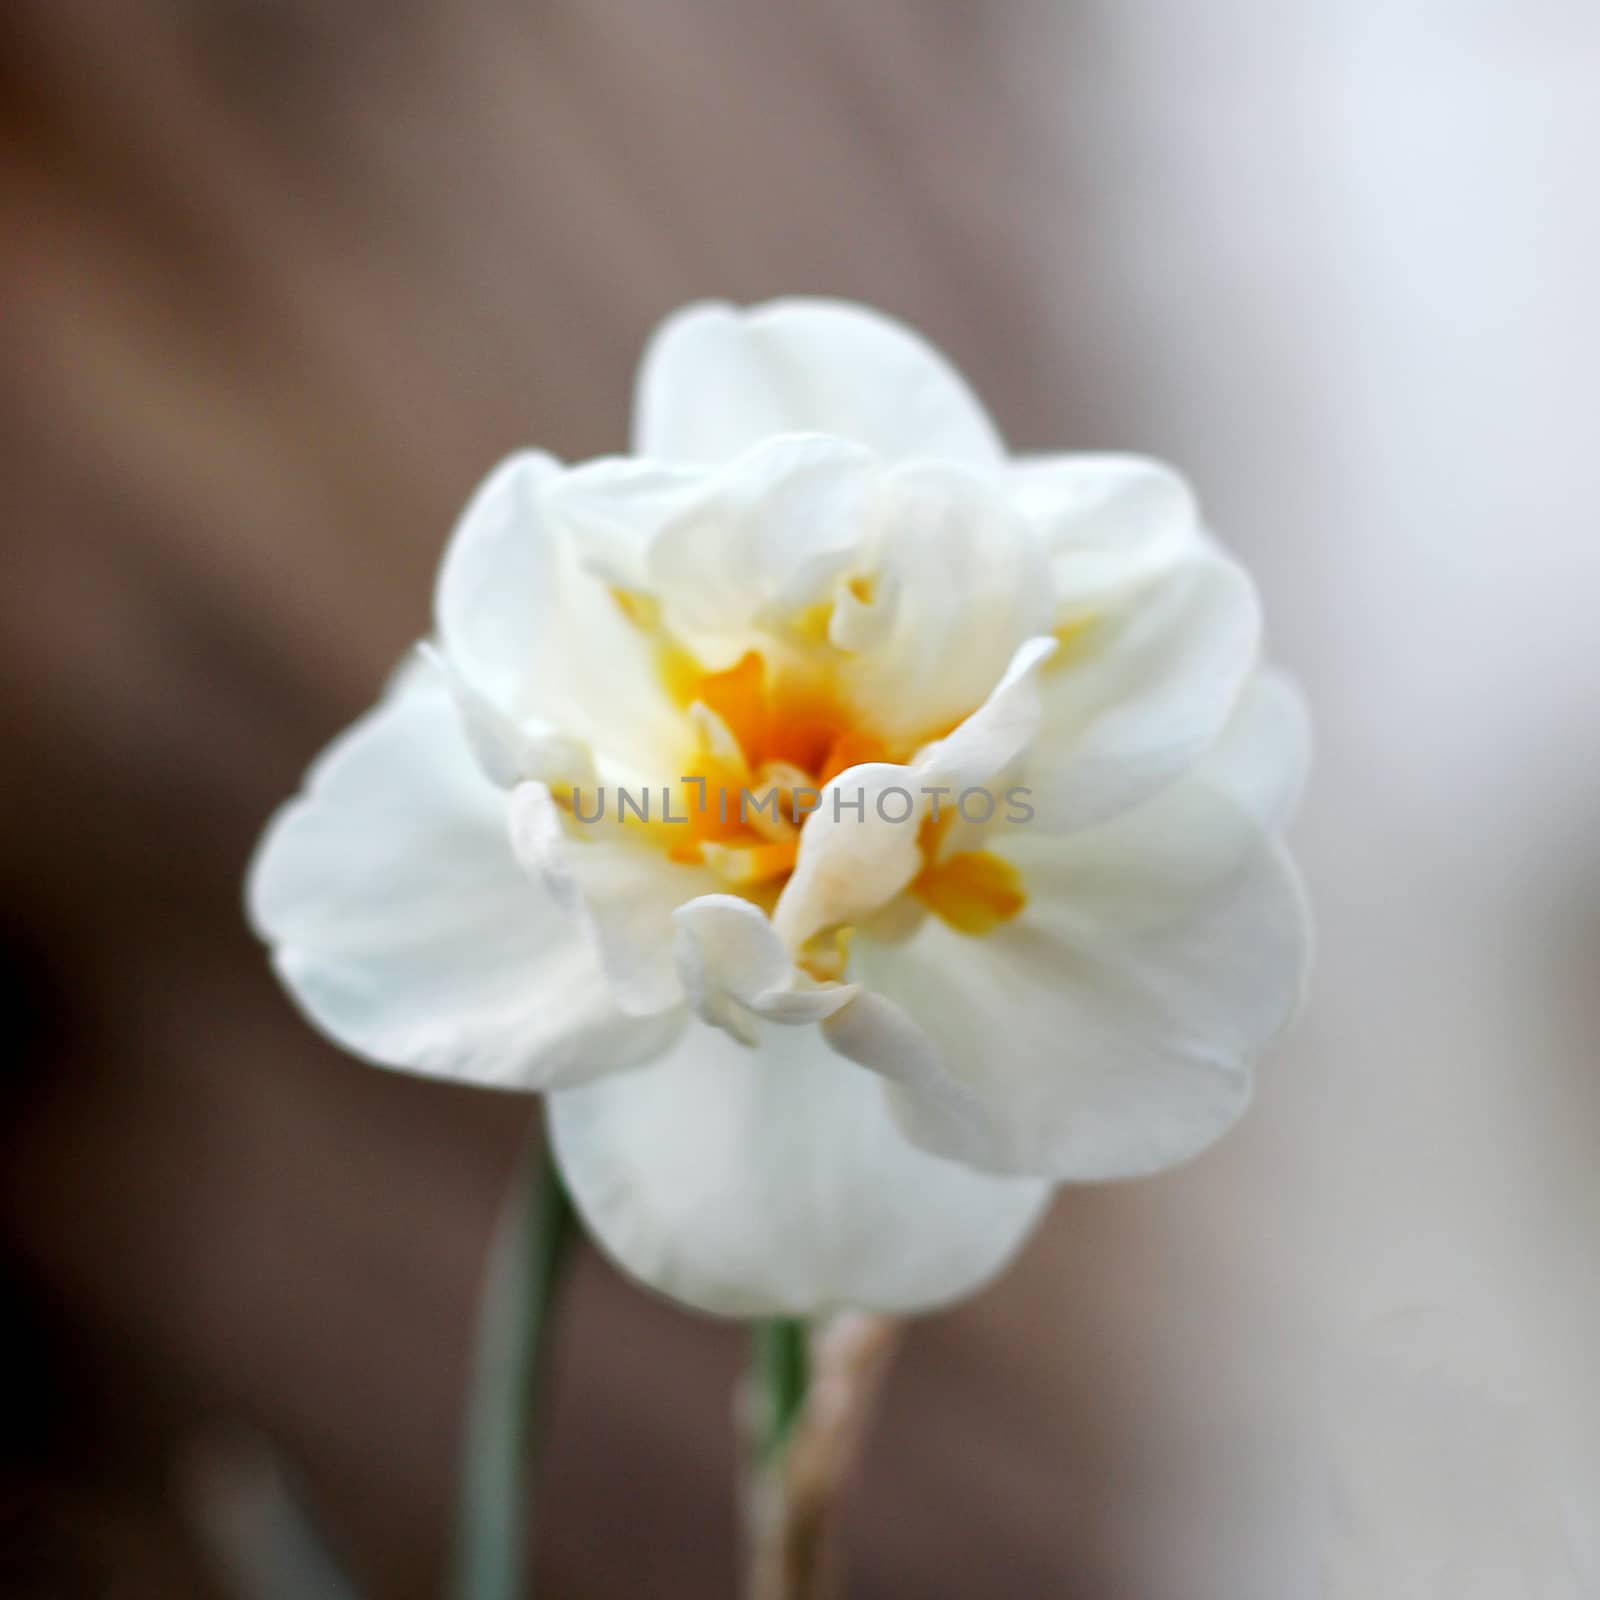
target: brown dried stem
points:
(793, 1493)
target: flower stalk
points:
(530, 1248)
(782, 1361)
(815, 1392)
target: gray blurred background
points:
(282, 279)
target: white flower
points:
(796, 1068)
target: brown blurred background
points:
(282, 279)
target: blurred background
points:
(282, 280)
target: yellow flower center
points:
(775, 729)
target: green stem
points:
(782, 1367)
(530, 1247)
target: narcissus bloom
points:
(1010, 907)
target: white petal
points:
(969, 583)
(786, 518)
(861, 622)
(735, 970)
(725, 549)
(403, 927)
(541, 638)
(507, 752)
(1110, 1028)
(1105, 520)
(1264, 754)
(774, 1182)
(1144, 694)
(620, 888)
(952, 1117)
(854, 856)
(999, 732)
(716, 380)
(615, 507)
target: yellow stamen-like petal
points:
(746, 865)
(974, 891)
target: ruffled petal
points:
(1109, 1028)
(1000, 731)
(541, 638)
(737, 972)
(729, 550)
(617, 884)
(1105, 520)
(509, 752)
(774, 1182)
(401, 924)
(1140, 691)
(951, 1116)
(716, 379)
(963, 584)
(1264, 755)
